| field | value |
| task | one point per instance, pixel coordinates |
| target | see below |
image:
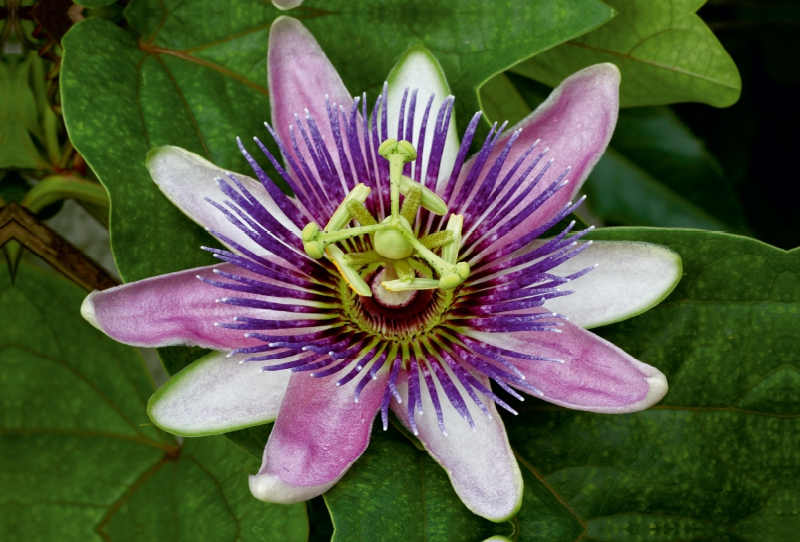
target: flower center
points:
(396, 316)
(396, 247)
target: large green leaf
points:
(655, 173)
(664, 50)
(196, 78)
(717, 460)
(79, 459)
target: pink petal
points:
(595, 376)
(300, 76)
(480, 464)
(179, 308)
(576, 123)
(319, 433)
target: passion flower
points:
(400, 274)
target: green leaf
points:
(397, 492)
(79, 459)
(137, 103)
(655, 173)
(664, 50)
(471, 39)
(717, 459)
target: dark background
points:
(756, 140)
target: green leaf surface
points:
(665, 52)
(716, 459)
(655, 173)
(80, 460)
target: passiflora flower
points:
(400, 275)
